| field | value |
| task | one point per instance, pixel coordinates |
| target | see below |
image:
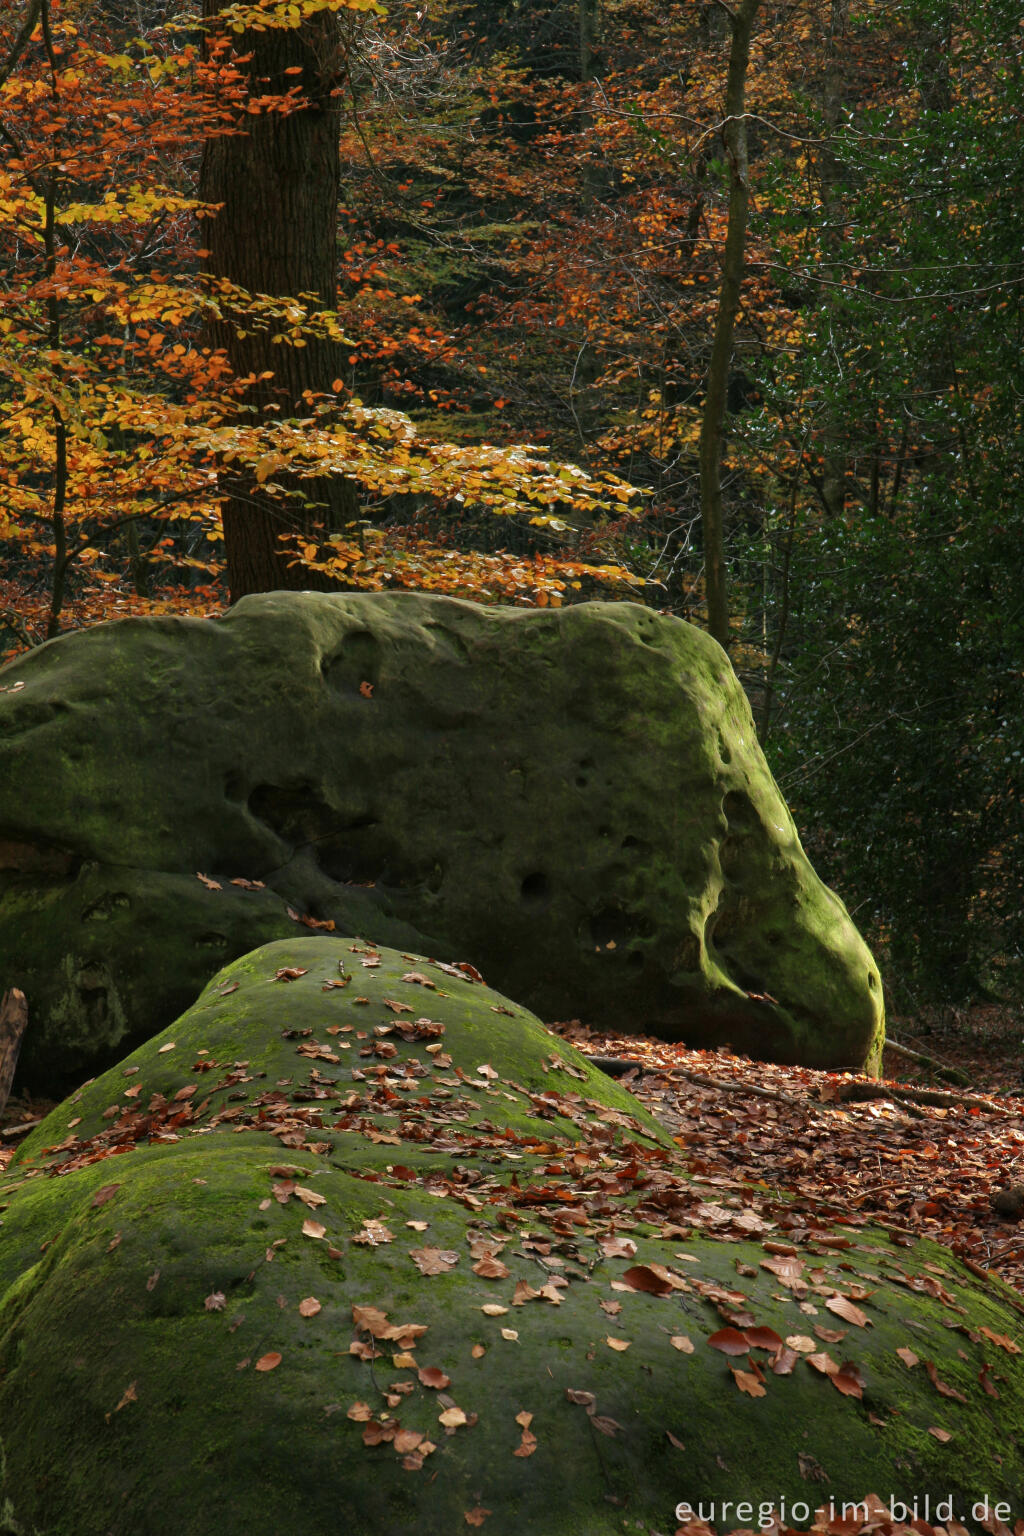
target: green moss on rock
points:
(190, 1243)
(574, 800)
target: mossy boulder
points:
(356, 1243)
(573, 800)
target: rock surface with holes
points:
(572, 800)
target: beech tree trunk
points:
(276, 234)
(712, 431)
(835, 438)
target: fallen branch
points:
(13, 1021)
(940, 1097)
(12, 1132)
(940, 1068)
(723, 1086)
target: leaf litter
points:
(847, 1159)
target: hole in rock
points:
(91, 984)
(356, 661)
(448, 640)
(689, 953)
(234, 785)
(535, 889)
(739, 811)
(729, 855)
(612, 926)
(719, 927)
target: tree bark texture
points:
(276, 233)
(13, 1022)
(712, 432)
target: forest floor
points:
(914, 1150)
(874, 1146)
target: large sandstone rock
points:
(573, 800)
(373, 1258)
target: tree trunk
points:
(712, 431)
(276, 233)
(835, 441)
(586, 15)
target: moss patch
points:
(257, 1199)
(572, 799)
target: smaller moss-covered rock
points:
(356, 1239)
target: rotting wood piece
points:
(13, 1022)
